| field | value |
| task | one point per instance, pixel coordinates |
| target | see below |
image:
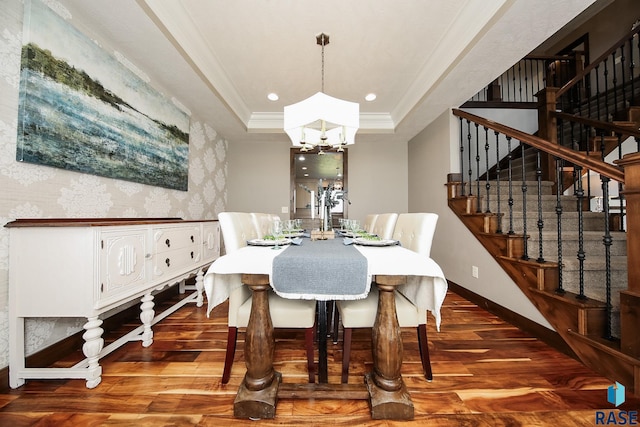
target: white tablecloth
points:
(426, 285)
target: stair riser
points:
(594, 284)
(592, 248)
(550, 223)
(516, 188)
(548, 204)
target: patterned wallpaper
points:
(32, 191)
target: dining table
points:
(339, 268)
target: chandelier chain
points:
(322, 63)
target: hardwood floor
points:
(486, 373)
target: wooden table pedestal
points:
(384, 389)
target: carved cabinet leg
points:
(257, 396)
(388, 393)
(93, 343)
(146, 316)
(200, 288)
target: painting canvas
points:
(82, 110)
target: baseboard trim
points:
(544, 334)
(72, 343)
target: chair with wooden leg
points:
(415, 232)
(237, 228)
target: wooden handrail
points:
(575, 157)
(597, 62)
(596, 124)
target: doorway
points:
(311, 175)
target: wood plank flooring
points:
(486, 373)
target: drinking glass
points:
(289, 225)
(298, 224)
(276, 231)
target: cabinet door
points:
(122, 263)
(211, 240)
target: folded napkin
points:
(347, 241)
(296, 241)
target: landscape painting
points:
(81, 109)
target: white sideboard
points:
(87, 267)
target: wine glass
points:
(276, 231)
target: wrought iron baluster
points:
(620, 187)
(614, 83)
(520, 81)
(597, 67)
(631, 66)
(470, 171)
(559, 176)
(540, 220)
(524, 188)
(624, 82)
(581, 253)
(478, 201)
(499, 230)
(510, 178)
(462, 190)
(606, 90)
(607, 241)
(486, 174)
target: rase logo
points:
(615, 396)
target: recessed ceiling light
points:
(273, 96)
(304, 168)
(306, 174)
(301, 157)
(370, 97)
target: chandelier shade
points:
(321, 120)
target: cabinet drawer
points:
(172, 262)
(171, 238)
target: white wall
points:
(432, 155)
(259, 178)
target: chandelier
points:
(321, 120)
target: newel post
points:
(630, 299)
(547, 128)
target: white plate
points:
(262, 242)
(368, 242)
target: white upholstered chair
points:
(262, 222)
(237, 228)
(415, 232)
(384, 225)
(369, 223)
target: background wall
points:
(259, 179)
(31, 191)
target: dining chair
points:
(237, 228)
(414, 231)
(369, 223)
(262, 222)
(384, 225)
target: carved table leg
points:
(93, 343)
(146, 316)
(388, 393)
(257, 396)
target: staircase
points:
(531, 209)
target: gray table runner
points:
(321, 270)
